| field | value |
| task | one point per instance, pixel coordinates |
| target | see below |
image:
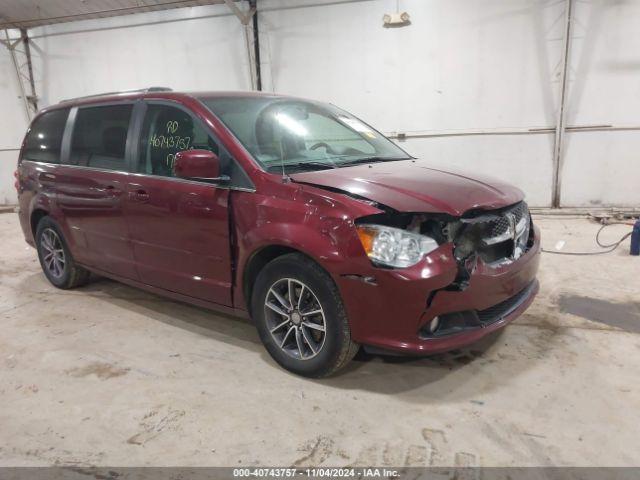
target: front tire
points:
(300, 317)
(55, 258)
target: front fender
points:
(321, 244)
(317, 226)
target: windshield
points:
(301, 135)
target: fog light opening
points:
(434, 324)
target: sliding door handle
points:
(139, 196)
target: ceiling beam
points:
(62, 15)
(244, 18)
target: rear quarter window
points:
(100, 137)
(44, 139)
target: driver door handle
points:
(109, 190)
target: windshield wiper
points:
(372, 160)
(303, 166)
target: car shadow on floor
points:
(625, 316)
(223, 327)
(384, 374)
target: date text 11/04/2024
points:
(315, 473)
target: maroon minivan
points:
(290, 211)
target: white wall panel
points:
(13, 120)
(200, 48)
(13, 124)
(604, 86)
(602, 168)
(520, 159)
(8, 162)
(460, 65)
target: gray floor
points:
(109, 375)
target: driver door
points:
(179, 228)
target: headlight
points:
(394, 247)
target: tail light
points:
(16, 184)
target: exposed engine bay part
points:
(495, 237)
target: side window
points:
(45, 137)
(166, 131)
(100, 137)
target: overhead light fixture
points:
(398, 19)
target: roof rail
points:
(140, 90)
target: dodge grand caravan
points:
(293, 212)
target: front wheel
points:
(300, 317)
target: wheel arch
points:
(259, 259)
(37, 215)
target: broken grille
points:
(500, 227)
(496, 237)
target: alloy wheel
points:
(52, 253)
(295, 318)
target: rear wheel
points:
(300, 317)
(55, 259)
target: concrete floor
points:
(110, 375)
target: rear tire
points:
(55, 258)
(309, 336)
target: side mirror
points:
(198, 165)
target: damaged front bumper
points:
(391, 309)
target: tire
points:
(55, 258)
(293, 336)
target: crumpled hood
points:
(412, 186)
